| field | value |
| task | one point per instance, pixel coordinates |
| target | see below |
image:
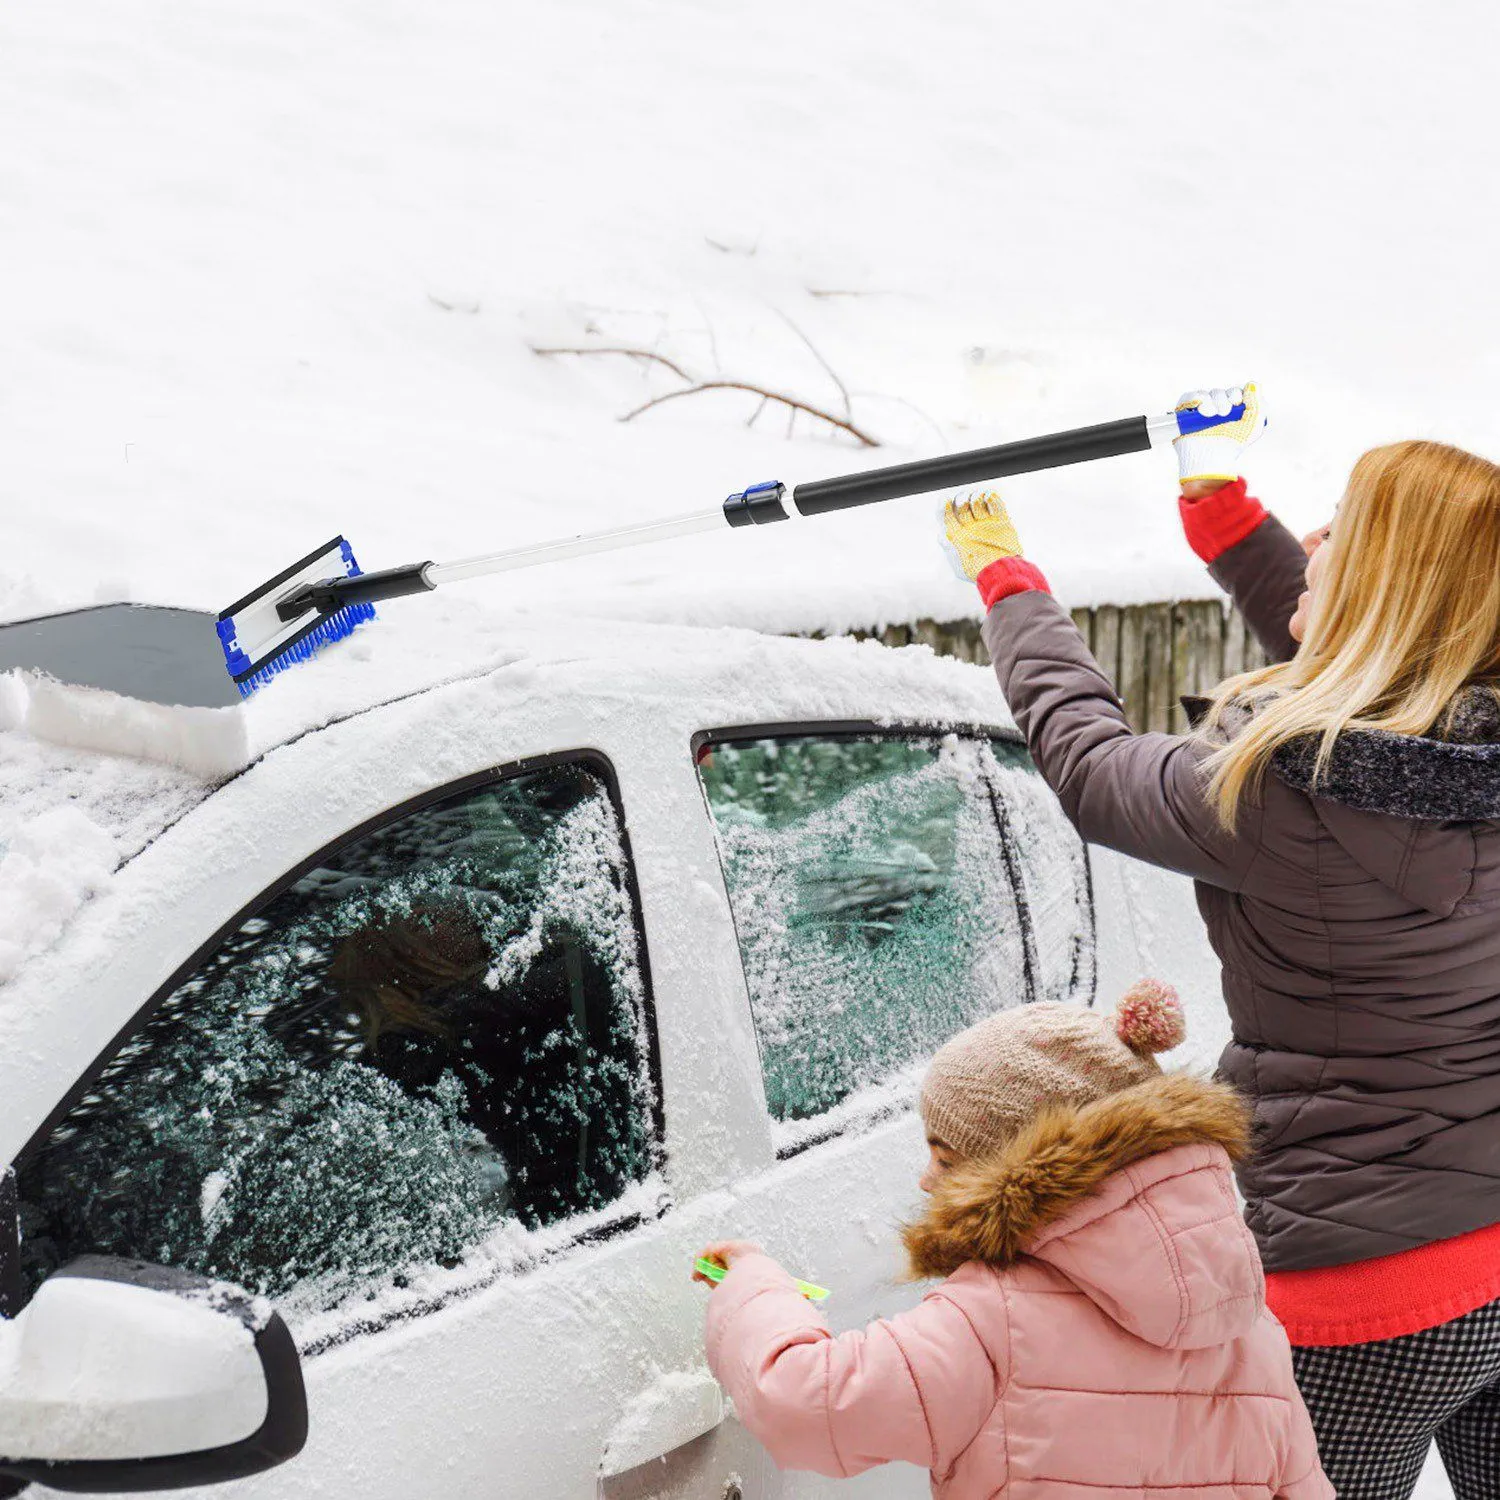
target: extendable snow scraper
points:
(325, 595)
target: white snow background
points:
(269, 272)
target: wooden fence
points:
(1153, 653)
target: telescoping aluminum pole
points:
(324, 595)
(764, 504)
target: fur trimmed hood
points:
(1450, 777)
(1129, 1197)
(990, 1210)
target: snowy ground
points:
(272, 271)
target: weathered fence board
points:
(1197, 653)
(1153, 653)
(1084, 620)
(1106, 641)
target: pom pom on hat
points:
(1149, 1017)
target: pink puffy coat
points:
(1102, 1335)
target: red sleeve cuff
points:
(1007, 576)
(1215, 523)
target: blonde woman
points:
(1340, 813)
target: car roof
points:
(133, 765)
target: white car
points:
(492, 969)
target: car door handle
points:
(668, 1414)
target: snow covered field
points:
(272, 271)
(268, 272)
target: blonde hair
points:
(1407, 613)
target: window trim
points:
(848, 729)
(593, 760)
(858, 1122)
(358, 1327)
(10, 1247)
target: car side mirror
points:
(123, 1376)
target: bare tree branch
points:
(813, 348)
(694, 387)
(790, 402)
(708, 328)
(647, 354)
(730, 249)
(942, 436)
(850, 291)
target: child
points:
(1102, 1331)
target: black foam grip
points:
(1081, 444)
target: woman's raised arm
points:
(1143, 794)
(1251, 556)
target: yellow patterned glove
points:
(979, 531)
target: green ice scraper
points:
(717, 1273)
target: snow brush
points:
(325, 596)
(716, 1273)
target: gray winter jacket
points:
(1358, 928)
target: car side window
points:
(886, 895)
(432, 1041)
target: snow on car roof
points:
(175, 713)
(89, 777)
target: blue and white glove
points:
(1214, 453)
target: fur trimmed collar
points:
(990, 1210)
(1454, 776)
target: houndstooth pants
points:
(1376, 1408)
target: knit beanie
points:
(993, 1079)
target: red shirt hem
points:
(1396, 1294)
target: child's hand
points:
(725, 1253)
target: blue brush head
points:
(330, 628)
(258, 641)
